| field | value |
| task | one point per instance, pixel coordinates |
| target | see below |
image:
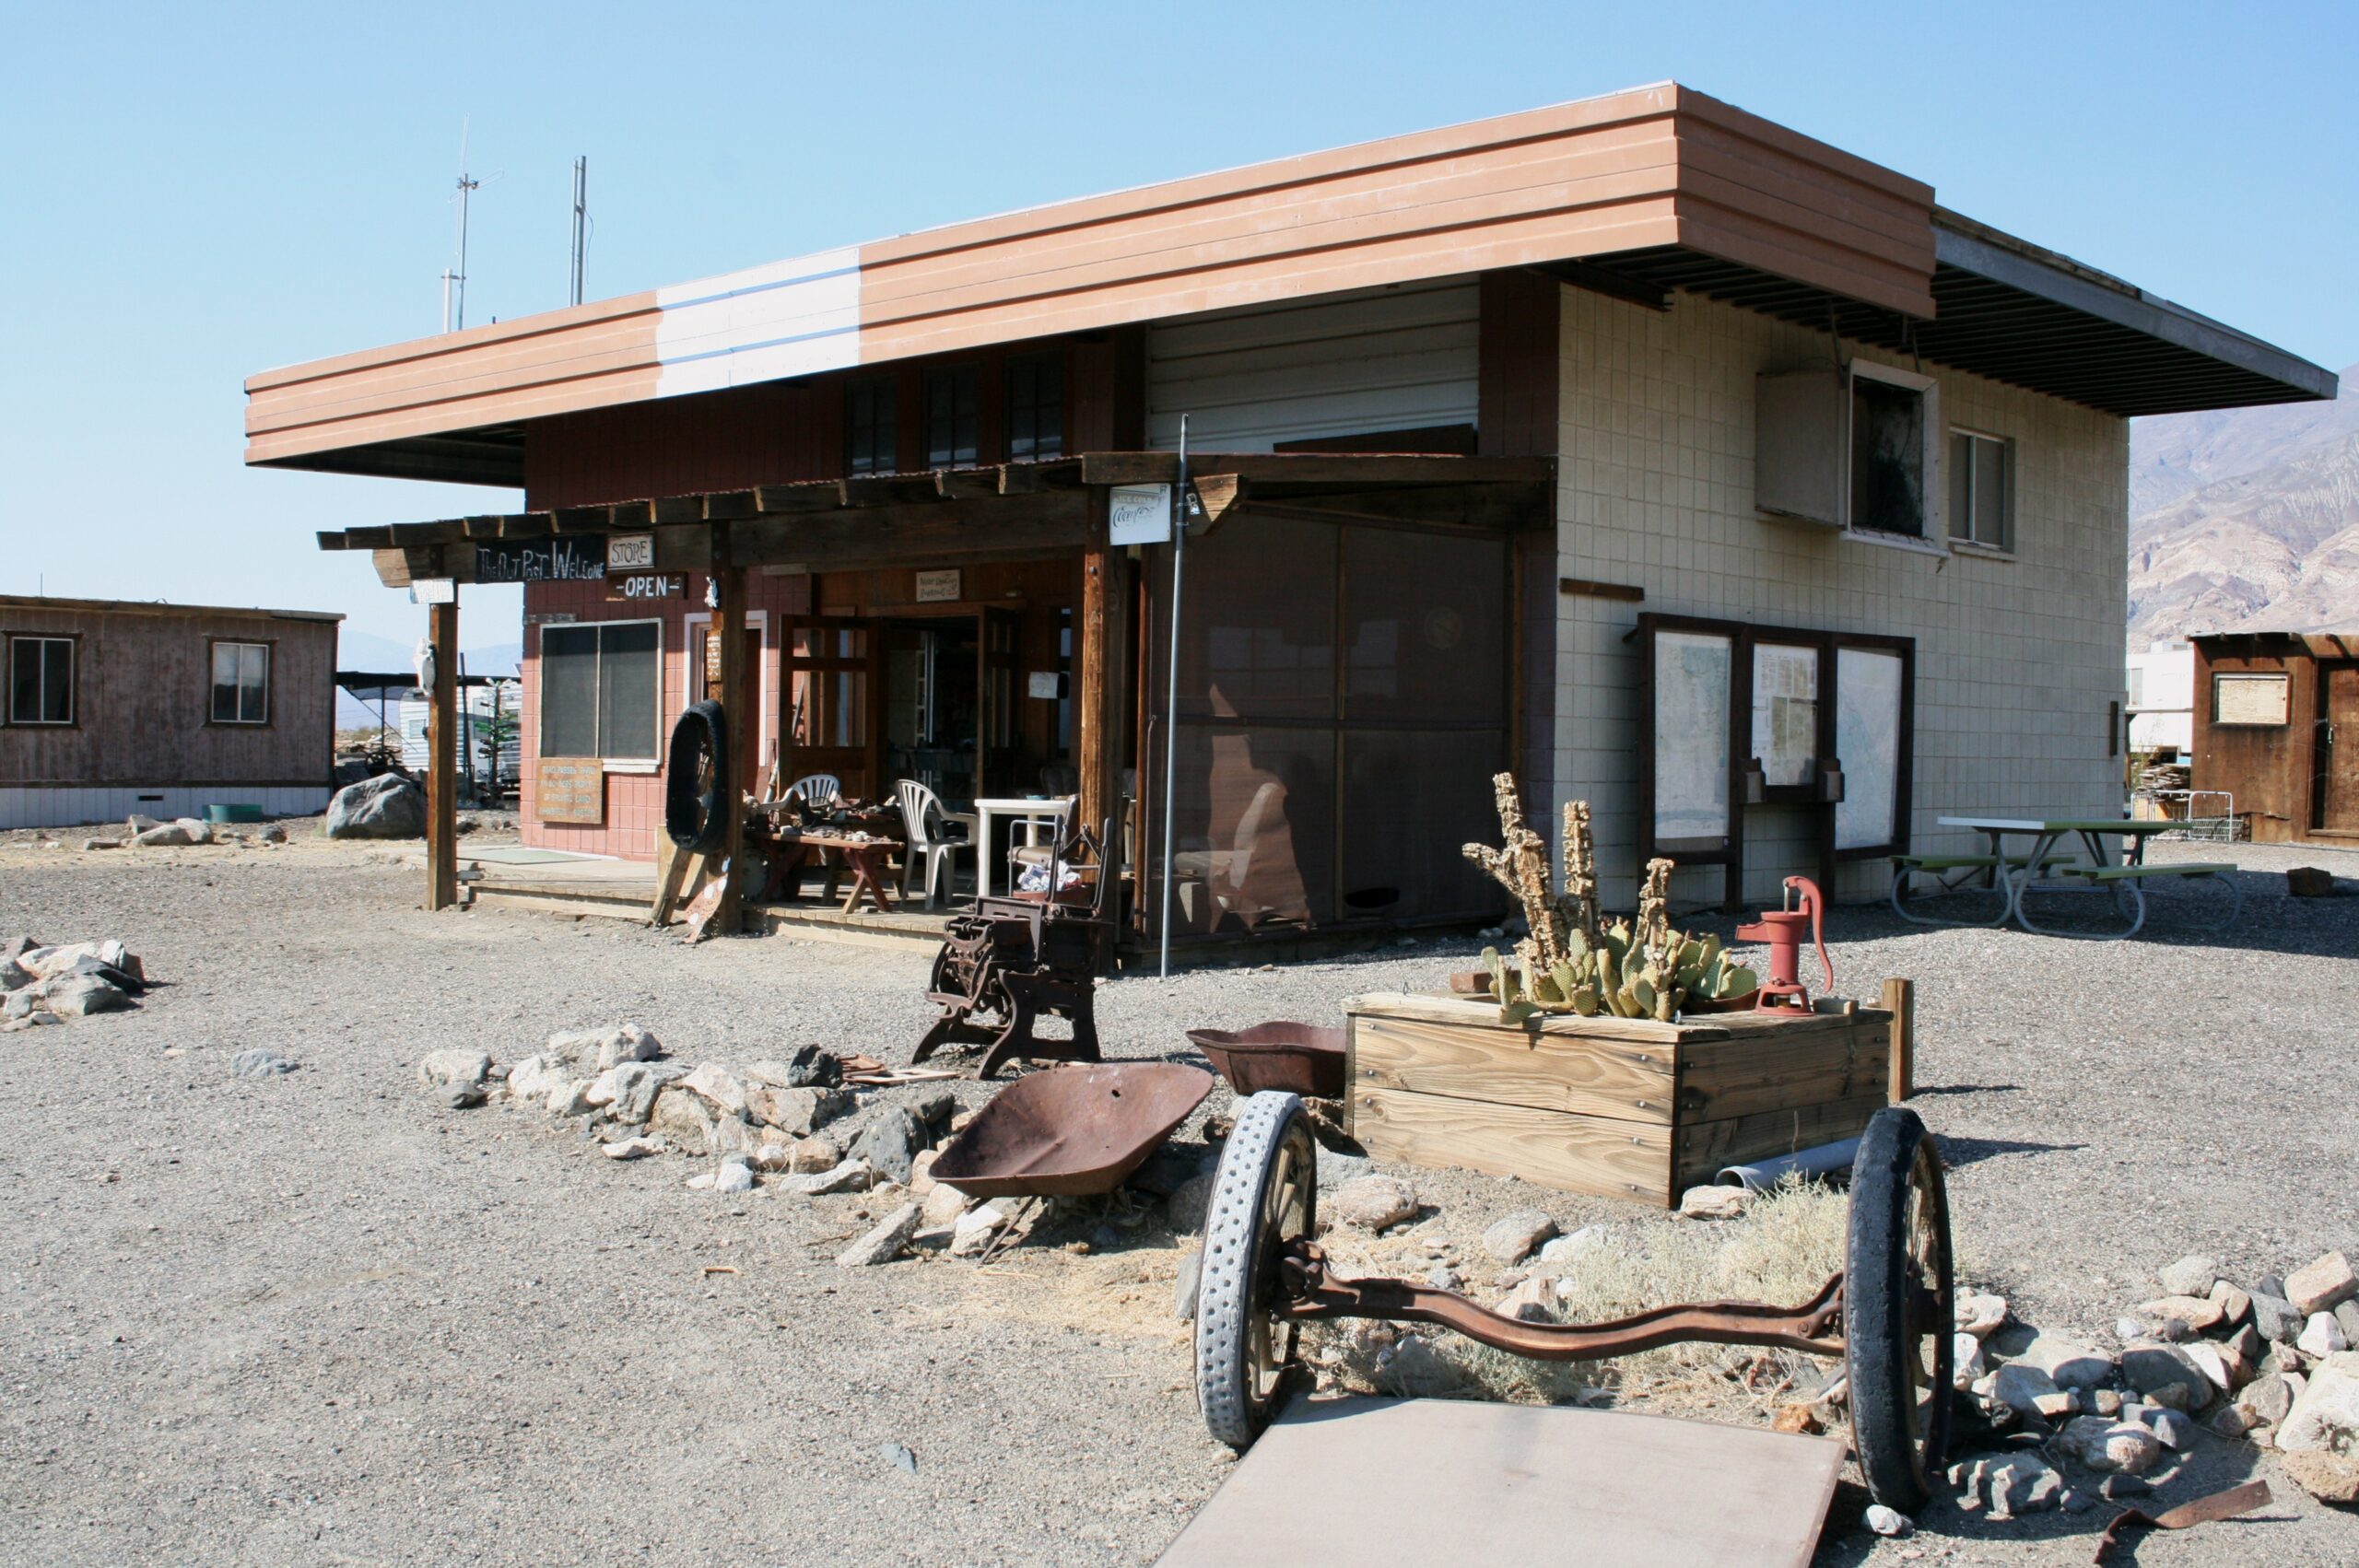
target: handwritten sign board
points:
(571, 788)
(938, 588)
(542, 560)
(631, 552)
(1138, 514)
(2251, 700)
(635, 586)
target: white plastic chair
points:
(929, 839)
(818, 790)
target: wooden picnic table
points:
(2022, 874)
(864, 856)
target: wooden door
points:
(831, 690)
(2338, 751)
(998, 707)
(753, 762)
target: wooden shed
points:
(2277, 729)
(109, 707)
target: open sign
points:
(647, 585)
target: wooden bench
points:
(1902, 866)
(2131, 880)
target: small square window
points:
(41, 680)
(1982, 490)
(241, 682)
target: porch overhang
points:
(949, 517)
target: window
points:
(41, 680)
(1036, 406)
(1982, 490)
(599, 689)
(953, 401)
(2137, 686)
(870, 426)
(1888, 456)
(241, 682)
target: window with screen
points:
(1036, 406)
(41, 680)
(1982, 490)
(870, 426)
(241, 682)
(954, 407)
(599, 693)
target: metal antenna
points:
(580, 220)
(457, 320)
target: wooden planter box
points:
(1611, 1106)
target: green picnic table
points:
(2014, 873)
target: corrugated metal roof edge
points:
(1977, 248)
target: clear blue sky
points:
(195, 193)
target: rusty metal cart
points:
(1887, 1314)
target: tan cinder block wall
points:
(2017, 659)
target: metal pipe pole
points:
(1171, 703)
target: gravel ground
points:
(318, 1318)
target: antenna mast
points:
(580, 220)
(455, 320)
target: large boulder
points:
(387, 806)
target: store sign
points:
(434, 590)
(631, 553)
(938, 588)
(1138, 514)
(636, 586)
(542, 560)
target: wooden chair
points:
(927, 827)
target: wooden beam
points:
(1583, 587)
(1105, 680)
(1899, 999)
(894, 489)
(581, 520)
(723, 505)
(677, 509)
(740, 725)
(393, 567)
(684, 548)
(968, 483)
(443, 759)
(823, 496)
(1217, 492)
(1020, 479)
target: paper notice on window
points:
(1785, 712)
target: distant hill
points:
(2246, 519)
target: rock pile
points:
(2271, 1363)
(777, 1123)
(49, 984)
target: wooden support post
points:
(741, 726)
(443, 759)
(1899, 999)
(1105, 648)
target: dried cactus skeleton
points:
(1572, 961)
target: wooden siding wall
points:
(143, 701)
(2270, 769)
(779, 432)
(1397, 359)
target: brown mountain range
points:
(2246, 519)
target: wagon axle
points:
(1308, 1293)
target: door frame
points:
(693, 627)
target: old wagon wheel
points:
(1264, 1196)
(1898, 1309)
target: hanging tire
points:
(1265, 1194)
(693, 805)
(1898, 1309)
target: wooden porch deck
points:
(508, 877)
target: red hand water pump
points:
(1782, 930)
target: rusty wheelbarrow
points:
(1300, 1059)
(1070, 1131)
(1887, 1314)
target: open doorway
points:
(933, 705)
